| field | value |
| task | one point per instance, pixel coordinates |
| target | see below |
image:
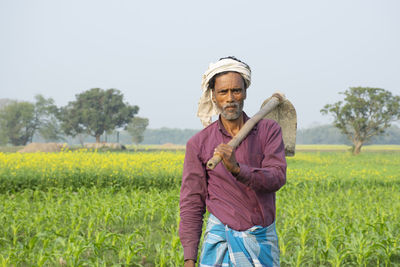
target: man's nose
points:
(231, 98)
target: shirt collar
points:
(225, 132)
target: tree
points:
(46, 113)
(96, 111)
(3, 137)
(364, 113)
(391, 136)
(5, 101)
(136, 129)
(18, 122)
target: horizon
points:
(156, 54)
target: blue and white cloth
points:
(222, 246)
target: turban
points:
(207, 107)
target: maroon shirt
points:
(240, 202)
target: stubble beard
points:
(228, 115)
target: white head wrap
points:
(207, 107)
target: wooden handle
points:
(211, 163)
(244, 131)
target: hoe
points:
(277, 108)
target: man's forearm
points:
(262, 179)
(189, 263)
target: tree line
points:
(93, 112)
(329, 134)
(364, 116)
(319, 134)
(150, 137)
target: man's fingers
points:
(218, 154)
(222, 154)
(224, 148)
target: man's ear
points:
(245, 94)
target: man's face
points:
(229, 94)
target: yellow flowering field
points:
(86, 168)
(122, 209)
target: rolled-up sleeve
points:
(192, 201)
(271, 176)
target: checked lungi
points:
(223, 246)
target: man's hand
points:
(227, 153)
(189, 263)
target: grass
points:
(121, 209)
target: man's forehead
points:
(228, 79)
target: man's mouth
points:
(231, 107)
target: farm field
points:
(344, 148)
(84, 208)
(173, 147)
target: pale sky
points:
(155, 52)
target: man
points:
(239, 193)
